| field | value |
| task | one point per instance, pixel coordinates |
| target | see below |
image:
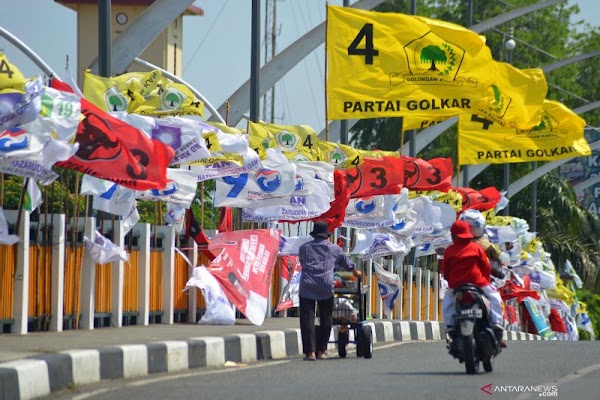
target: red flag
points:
(244, 268)
(435, 174)
(481, 200)
(116, 151)
(194, 231)
(376, 176)
(225, 220)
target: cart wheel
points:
(342, 343)
(358, 338)
(367, 341)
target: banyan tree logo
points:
(115, 100)
(548, 128)
(432, 61)
(337, 157)
(287, 140)
(172, 99)
(500, 102)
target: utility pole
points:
(270, 52)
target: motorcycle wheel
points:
(471, 363)
(488, 365)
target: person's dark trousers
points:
(307, 324)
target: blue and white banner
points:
(180, 188)
(217, 168)
(370, 212)
(271, 185)
(19, 108)
(374, 244)
(389, 289)
(290, 245)
(310, 198)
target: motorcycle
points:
(474, 339)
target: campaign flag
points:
(291, 270)
(116, 151)
(103, 250)
(297, 142)
(59, 115)
(194, 230)
(33, 196)
(11, 79)
(370, 212)
(389, 289)
(6, 238)
(290, 245)
(376, 244)
(180, 188)
(435, 174)
(175, 216)
(391, 64)
(376, 176)
(20, 106)
(270, 185)
(515, 97)
(181, 134)
(421, 121)
(219, 310)
(244, 268)
(311, 198)
(342, 156)
(250, 164)
(559, 135)
(584, 322)
(29, 168)
(148, 93)
(481, 200)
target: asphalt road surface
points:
(411, 370)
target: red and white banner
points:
(290, 275)
(244, 268)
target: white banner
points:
(180, 188)
(389, 289)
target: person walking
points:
(319, 259)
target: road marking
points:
(264, 363)
(567, 378)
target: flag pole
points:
(19, 215)
(326, 74)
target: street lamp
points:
(509, 45)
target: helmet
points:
(476, 221)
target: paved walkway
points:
(40, 363)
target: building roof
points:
(191, 10)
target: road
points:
(410, 370)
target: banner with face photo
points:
(244, 268)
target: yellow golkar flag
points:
(342, 156)
(297, 142)
(11, 79)
(390, 64)
(147, 93)
(516, 97)
(559, 135)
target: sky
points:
(216, 48)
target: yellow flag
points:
(452, 197)
(147, 93)
(421, 121)
(559, 135)
(390, 64)
(11, 79)
(516, 97)
(213, 133)
(342, 156)
(297, 142)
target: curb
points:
(41, 375)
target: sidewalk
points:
(40, 363)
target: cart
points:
(349, 314)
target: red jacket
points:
(465, 262)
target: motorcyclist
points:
(465, 262)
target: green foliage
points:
(592, 301)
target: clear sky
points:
(216, 48)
